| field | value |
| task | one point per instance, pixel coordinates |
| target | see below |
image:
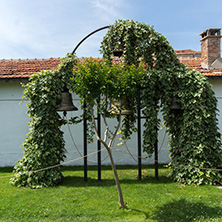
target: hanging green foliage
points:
(138, 42)
(149, 62)
(194, 135)
(44, 144)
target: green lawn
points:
(75, 200)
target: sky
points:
(52, 28)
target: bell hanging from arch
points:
(66, 102)
(118, 51)
(175, 106)
(123, 104)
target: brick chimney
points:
(210, 48)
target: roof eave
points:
(19, 79)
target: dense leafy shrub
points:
(44, 145)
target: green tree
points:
(98, 83)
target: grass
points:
(76, 200)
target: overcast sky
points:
(51, 28)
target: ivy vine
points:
(149, 62)
(44, 144)
(195, 140)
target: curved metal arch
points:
(85, 120)
(97, 30)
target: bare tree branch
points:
(95, 128)
(105, 122)
(108, 148)
(116, 131)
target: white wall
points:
(13, 130)
(120, 158)
(13, 123)
(217, 88)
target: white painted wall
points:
(13, 123)
(120, 158)
(13, 130)
(217, 88)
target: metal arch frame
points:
(99, 129)
(97, 30)
(85, 120)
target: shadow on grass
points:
(147, 216)
(75, 181)
(184, 210)
(118, 167)
(78, 181)
(6, 169)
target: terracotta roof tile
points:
(211, 72)
(24, 68)
(193, 64)
(187, 51)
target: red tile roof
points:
(192, 63)
(186, 51)
(24, 68)
(211, 72)
(195, 63)
(11, 69)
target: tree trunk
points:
(121, 202)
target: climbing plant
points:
(194, 135)
(148, 62)
(141, 43)
(44, 144)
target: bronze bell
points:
(120, 104)
(175, 106)
(118, 51)
(66, 102)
